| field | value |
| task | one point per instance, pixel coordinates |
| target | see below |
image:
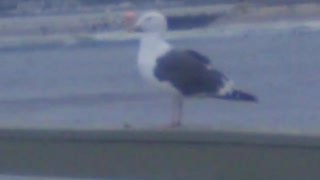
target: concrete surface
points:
(158, 154)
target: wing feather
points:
(188, 72)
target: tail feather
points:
(239, 95)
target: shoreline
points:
(217, 30)
(112, 20)
(230, 19)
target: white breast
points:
(151, 48)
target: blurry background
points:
(100, 15)
(72, 64)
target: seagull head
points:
(152, 22)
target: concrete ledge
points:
(167, 136)
(158, 154)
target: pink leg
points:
(176, 110)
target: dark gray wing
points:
(203, 59)
(190, 72)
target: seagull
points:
(183, 73)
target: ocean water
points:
(96, 84)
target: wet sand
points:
(81, 86)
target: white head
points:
(152, 22)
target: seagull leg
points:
(176, 110)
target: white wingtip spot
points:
(227, 88)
